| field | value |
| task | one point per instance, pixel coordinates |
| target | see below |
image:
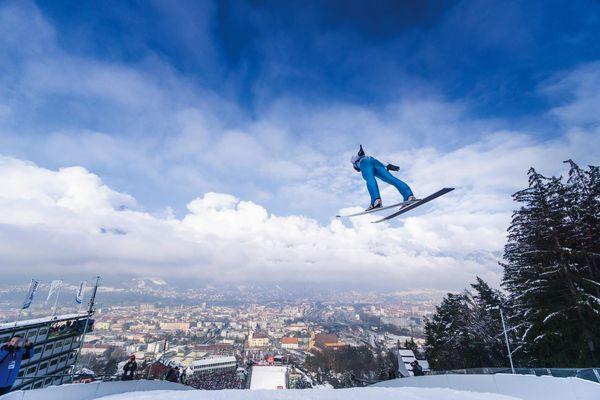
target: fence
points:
(590, 374)
(526, 387)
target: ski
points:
(416, 204)
(378, 209)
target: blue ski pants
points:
(371, 168)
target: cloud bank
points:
(68, 220)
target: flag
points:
(80, 292)
(33, 287)
(53, 288)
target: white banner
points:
(80, 292)
(33, 287)
(54, 286)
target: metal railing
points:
(590, 374)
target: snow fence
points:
(526, 387)
(93, 390)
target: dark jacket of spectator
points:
(129, 369)
(173, 375)
(11, 355)
(416, 368)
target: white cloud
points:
(70, 220)
(577, 93)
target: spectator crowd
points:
(215, 381)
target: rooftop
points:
(215, 360)
(27, 322)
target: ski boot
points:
(376, 204)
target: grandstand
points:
(56, 341)
(218, 364)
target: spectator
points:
(416, 368)
(169, 374)
(11, 354)
(173, 375)
(182, 377)
(129, 368)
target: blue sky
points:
(494, 53)
(157, 104)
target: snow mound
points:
(404, 393)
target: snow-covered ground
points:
(268, 377)
(370, 393)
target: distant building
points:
(56, 342)
(216, 348)
(289, 343)
(96, 349)
(258, 339)
(297, 327)
(147, 307)
(328, 341)
(215, 364)
(305, 342)
(102, 325)
(175, 326)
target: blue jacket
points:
(10, 362)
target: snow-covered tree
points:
(465, 330)
(551, 269)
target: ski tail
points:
(416, 204)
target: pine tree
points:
(411, 345)
(551, 270)
(465, 331)
(486, 325)
(446, 334)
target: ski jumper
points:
(371, 168)
(10, 362)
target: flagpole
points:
(27, 301)
(18, 316)
(56, 300)
(85, 328)
(80, 295)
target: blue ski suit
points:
(10, 361)
(370, 168)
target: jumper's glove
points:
(392, 167)
(361, 152)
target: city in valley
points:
(231, 328)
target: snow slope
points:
(369, 393)
(268, 377)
